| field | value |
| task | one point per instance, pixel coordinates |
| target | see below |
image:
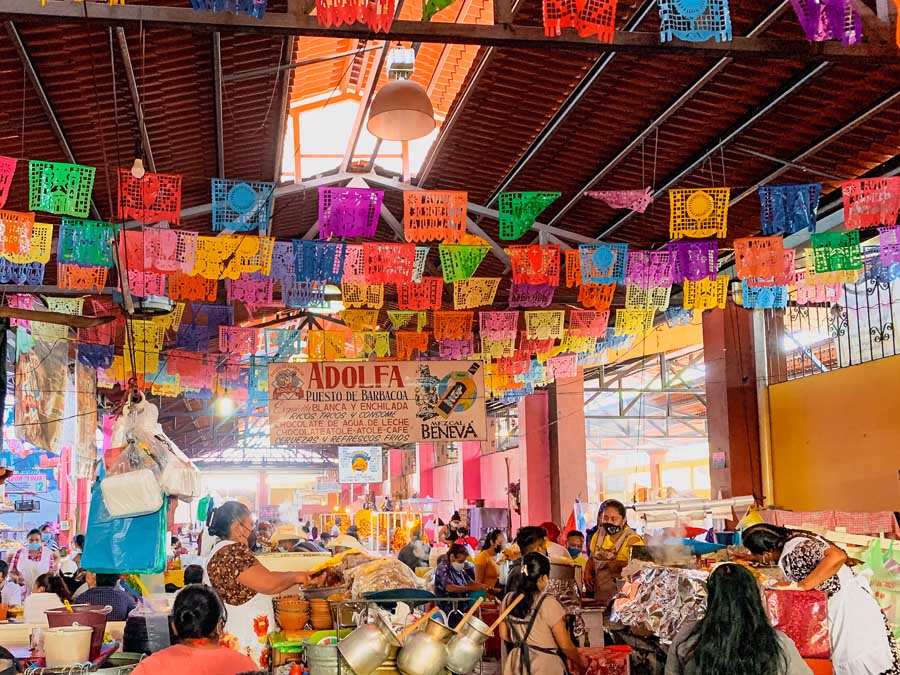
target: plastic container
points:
(67, 645)
(93, 616)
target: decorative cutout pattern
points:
(545, 325)
(96, 356)
(597, 296)
(634, 321)
(409, 342)
(694, 260)
(530, 295)
(354, 264)
(639, 298)
(578, 345)
(241, 206)
(389, 263)
(64, 189)
(426, 295)
(30, 274)
(698, 213)
(648, 269)
(228, 256)
(498, 325)
(889, 245)
(633, 200)
(758, 257)
(452, 325)
(475, 292)
(283, 268)
(155, 197)
(371, 344)
(563, 366)
(694, 20)
(871, 202)
(251, 289)
(172, 320)
(678, 316)
(378, 15)
(519, 210)
(325, 345)
(765, 297)
(51, 331)
(304, 294)
(823, 20)
(833, 251)
(16, 231)
(418, 264)
(7, 170)
(185, 287)
(39, 248)
(360, 319)
(783, 277)
(535, 265)
(785, 209)
(144, 340)
(810, 292)
(706, 293)
(455, 350)
(460, 261)
(588, 17)
(145, 283)
(85, 242)
(320, 261)
(406, 318)
(349, 212)
(603, 263)
(75, 277)
(362, 295)
(238, 339)
(284, 343)
(573, 268)
(433, 215)
(584, 323)
(497, 349)
(192, 337)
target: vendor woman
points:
(610, 551)
(244, 584)
(861, 641)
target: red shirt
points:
(197, 661)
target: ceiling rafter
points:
(135, 98)
(217, 104)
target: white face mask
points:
(459, 567)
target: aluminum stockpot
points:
(367, 647)
(464, 651)
(425, 651)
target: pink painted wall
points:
(571, 472)
(494, 480)
(471, 469)
(448, 487)
(425, 467)
(534, 455)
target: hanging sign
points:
(395, 403)
(27, 483)
(327, 487)
(360, 464)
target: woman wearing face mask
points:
(33, 560)
(487, 571)
(244, 584)
(610, 551)
(536, 627)
(453, 578)
(450, 533)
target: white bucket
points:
(67, 646)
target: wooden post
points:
(295, 121)
(503, 12)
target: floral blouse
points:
(225, 567)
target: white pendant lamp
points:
(401, 111)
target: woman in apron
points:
(536, 629)
(610, 551)
(244, 584)
(33, 560)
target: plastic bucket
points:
(82, 615)
(67, 645)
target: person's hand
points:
(603, 554)
(578, 665)
(789, 586)
(303, 579)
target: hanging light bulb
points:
(224, 406)
(137, 169)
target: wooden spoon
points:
(506, 611)
(413, 626)
(468, 615)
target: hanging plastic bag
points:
(136, 493)
(803, 617)
(878, 568)
(180, 479)
(135, 545)
(139, 422)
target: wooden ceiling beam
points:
(497, 35)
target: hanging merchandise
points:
(319, 261)
(64, 189)
(694, 260)
(785, 209)
(227, 256)
(456, 350)
(378, 15)
(283, 343)
(706, 293)
(833, 251)
(433, 215)
(253, 290)
(185, 287)
(475, 292)
(360, 319)
(77, 278)
(648, 269)
(372, 344)
(634, 321)
(460, 261)
(238, 340)
(409, 342)
(563, 366)
(349, 212)
(655, 298)
(16, 231)
(758, 257)
(422, 296)
(545, 325)
(602, 263)
(823, 20)
(354, 264)
(694, 20)
(254, 8)
(588, 17)
(39, 245)
(519, 210)
(633, 200)
(498, 325)
(765, 297)
(585, 323)
(241, 206)
(871, 202)
(86, 242)
(388, 263)
(698, 212)
(405, 318)
(7, 170)
(530, 295)
(597, 296)
(452, 325)
(573, 267)
(362, 295)
(889, 245)
(784, 275)
(149, 199)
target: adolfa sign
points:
(390, 403)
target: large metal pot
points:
(425, 651)
(465, 649)
(368, 646)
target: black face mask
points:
(612, 529)
(498, 548)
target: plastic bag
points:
(878, 568)
(180, 479)
(803, 617)
(136, 493)
(135, 545)
(384, 574)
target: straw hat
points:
(286, 532)
(344, 541)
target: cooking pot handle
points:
(409, 629)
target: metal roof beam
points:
(364, 106)
(283, 103)
(498, 35)
(217, 104)
(135, 98)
